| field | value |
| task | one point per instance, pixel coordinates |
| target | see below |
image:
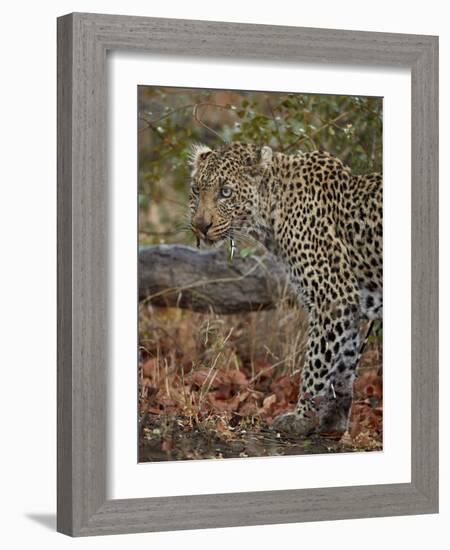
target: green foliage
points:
(246, 252)
(171, 119)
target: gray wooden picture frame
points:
(83, 242)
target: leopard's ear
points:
(263, 160)
(265, 156)
(197, 155)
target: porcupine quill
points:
(232, 248)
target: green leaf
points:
(245, 252)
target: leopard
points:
(324, 224)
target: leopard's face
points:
(224, 193)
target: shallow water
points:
(165, 439)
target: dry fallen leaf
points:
(167, 445)
(148, 367)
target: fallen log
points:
(205, 280)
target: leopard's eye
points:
(226, 192)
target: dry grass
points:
(224, 377)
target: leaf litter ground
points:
(210, 387)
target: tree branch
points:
(204, 280)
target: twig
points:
(150, 126)
(170, 113)
(199, 121)
(310, 137)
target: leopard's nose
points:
(202, 226)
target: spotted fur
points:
(325, 225)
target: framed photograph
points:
(247, 274)
(224, 334)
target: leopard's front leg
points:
(326, 387)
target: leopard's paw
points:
(295, 424)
